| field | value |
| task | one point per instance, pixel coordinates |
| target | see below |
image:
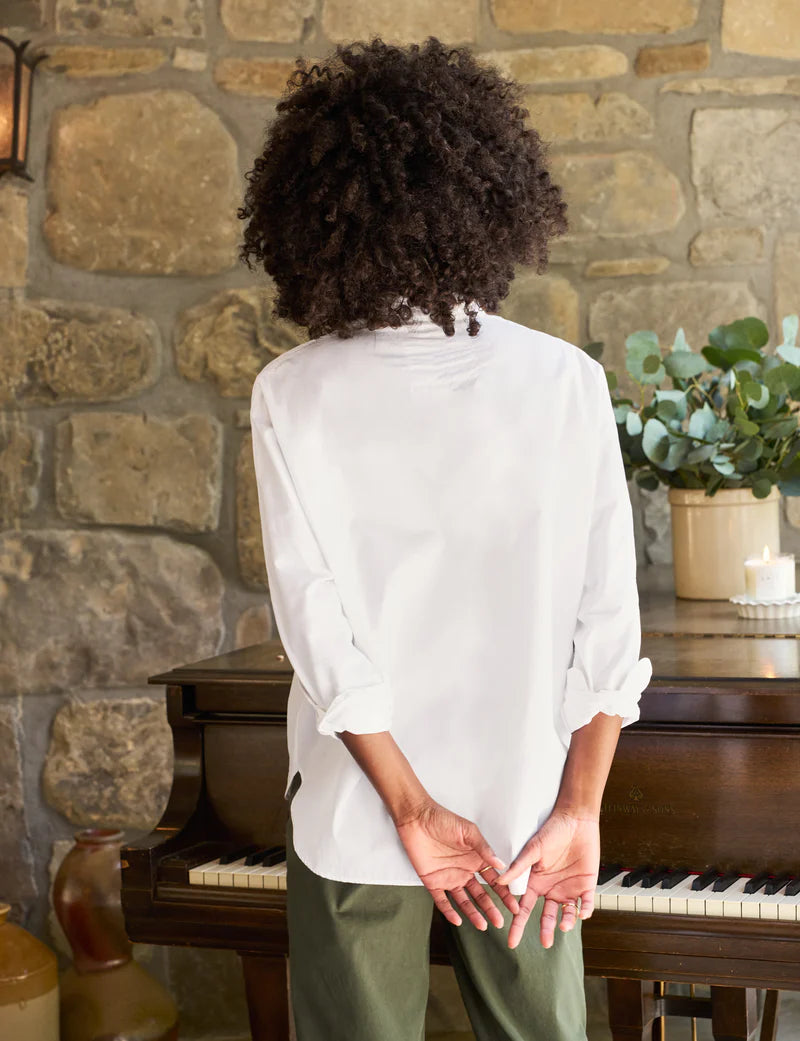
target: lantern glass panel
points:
(7, 108)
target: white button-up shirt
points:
(449, 548)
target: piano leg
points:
(769, 1017)
(734, 1013)
(265, 985)
(631, 1009)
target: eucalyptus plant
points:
(721, 417)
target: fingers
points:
(569, 916)
(529, 855)
(517, 928)
(547, 926)
(485, 902)
(444, 905)
(462, 900)
(503, 892)
(587, 904)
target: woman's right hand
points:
(446, 850)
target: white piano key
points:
(241, 878)
(732, 898)
(789, 909)
(715, 902)
(228, 871)
(197, 874)
(609, 892)
(680, 895)
(272, 876)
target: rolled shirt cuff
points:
(361, 710)
(581, 704)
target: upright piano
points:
(700, 828)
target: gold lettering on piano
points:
(637, 809)
(635, 793)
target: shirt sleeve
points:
(341, 682)
(607, 675)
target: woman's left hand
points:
(564, 857)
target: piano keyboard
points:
(248, 868)
(642, 890)
(711, 894)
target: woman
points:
(449, 548)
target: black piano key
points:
(607, 872)
(635, 876)
(793, 888)
(655, 878)
(674, 877)
(704, 881)
(776, 884)
(725, 882)
(237, 854)
(267, 856)
(756, 884)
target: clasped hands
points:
(446, 850)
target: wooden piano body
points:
(708, 778)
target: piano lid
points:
(709, 666)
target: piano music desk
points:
(708, 778)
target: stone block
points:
(144, 183)
(772, 30)
(624, 267)
(22, 13)
(131, 18)
(249, 541)
(738, 86)
(88, 609)
(54, 352)
(131, 468)
(189, 60)
(585, 61)
(20, 468)
(272, 22)
(677, 57)
(90, 62)
(695, 306)
(455, 21)
(787, 277)
(229, 338)
(255, 626)
(13, 235)
(587, 16)
(727, 245)
(549, 303)
(257, 77)
(744, 163)
(17, 880)
(581, 117)
(618, 194)
(109, 763)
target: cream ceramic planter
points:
(711, 537)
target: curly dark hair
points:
(397, 177)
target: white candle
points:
(769, 578)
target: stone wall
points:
(130, 336)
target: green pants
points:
(359, 965)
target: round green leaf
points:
(683, 365)
(761, 487)
(655, 441)
(594, 349)
(633, 423)
(757, 394)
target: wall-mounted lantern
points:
(16, 85)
